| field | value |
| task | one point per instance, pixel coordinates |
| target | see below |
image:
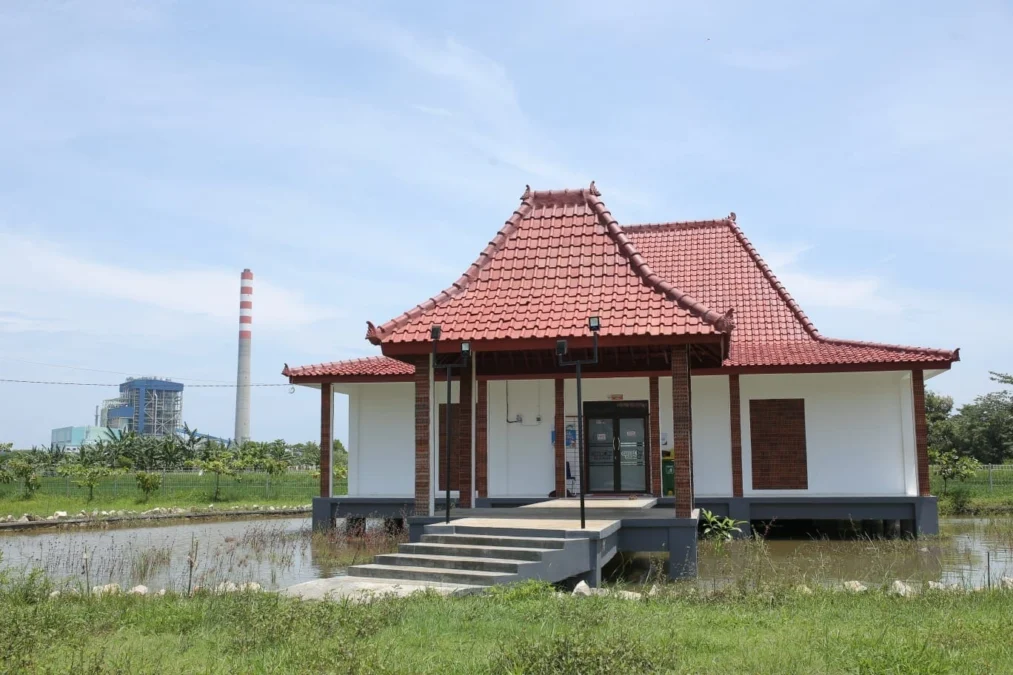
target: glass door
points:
(601, 454)
(632, 455)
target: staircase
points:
(482, 556)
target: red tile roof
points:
(560, 258)
(713, 260)
(368, 367)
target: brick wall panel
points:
(682, 432)
(482, 439)
(559, 444)
(326, 437)
(655, 440)
(422, 436)
(735, 414)
(777, 439)
(921, 432)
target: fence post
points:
(989, 477)
(66, 482)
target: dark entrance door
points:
(616, 447)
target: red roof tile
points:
(371, 366)
(715, 262)
(560, 258)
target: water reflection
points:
(279, 552)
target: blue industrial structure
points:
(148, 406)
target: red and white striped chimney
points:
(243, 371)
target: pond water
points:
(279, 552)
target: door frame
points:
(617, 410)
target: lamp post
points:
(594, 324)
(461, 362)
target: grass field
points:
(982, 494)
(179, 489)
(523, 629)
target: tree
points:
(24, 469)
(148, 482)
(951, 466)
(939, 420)
(87, 476)
(216, 458)
(984, 428)
(1002, 378)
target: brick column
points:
(326, 439)
(482, 439)
(682, 436)
(921, 432)
(559, 444)
(735, 410)
(422, 436)
(463, 440)
(655, 443)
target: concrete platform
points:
(359, 589)
(596, 503)
(566, 524)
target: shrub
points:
(719, 528)
(148, 482)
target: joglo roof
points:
(562, 257)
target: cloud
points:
(84, 286)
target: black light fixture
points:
(594, 324)
(461, 362)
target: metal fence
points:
(988, 478)
(298, 486)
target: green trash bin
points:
(667, 477)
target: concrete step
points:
(504, 530)
(429, 574)
(500, 552)
(547, 543)
(452, 562)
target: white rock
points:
(803, 589)
(654, 591)
(1006, 583)
(901, 589)
(855, 586)
(54, 594)
(937, 586)
(251, 586)
(50, 517)
(582, 589)
(60, 514)
(271, 508)
(104, 513)
(23, 519)
(107, 589)
(140, 589)
(161, 592)
(226, 587)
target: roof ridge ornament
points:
(726, 324)
(594, 190)
(731, 216)
(527, 193)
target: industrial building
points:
(73, 438)
(148, 406)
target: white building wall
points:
(521, 462)
(856, 430)
(381, 439)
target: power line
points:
(100, 370)
(108, 384)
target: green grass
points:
(975, 496)
(186, 491)
(523, 629)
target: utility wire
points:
(108, 384)
(99, 370)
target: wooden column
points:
(326, 440)
(462, 444)
(682, 436)
(482, 439)
(655, 443)
(559, 443)
(735, 414)
(921, 432)
(422, 414)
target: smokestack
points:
(243, 371)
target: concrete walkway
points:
(358, 589)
